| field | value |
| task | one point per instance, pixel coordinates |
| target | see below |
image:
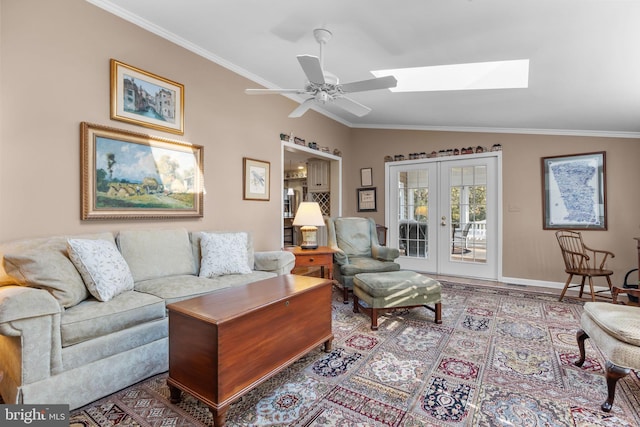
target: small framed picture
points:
(144, 99)
(574, 192)
(367, 199)
(255, 179)
(366, 177)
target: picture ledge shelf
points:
(305, 149)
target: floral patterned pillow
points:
(223, 253)
(103, 269)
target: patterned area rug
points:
(501, 357)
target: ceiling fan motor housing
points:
(322, 96)
(322, 35)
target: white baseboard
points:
(543, 284)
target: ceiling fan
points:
(323, 87)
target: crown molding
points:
(556, 132)
(161, 32)
(167, 35)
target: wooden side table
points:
(320, 257)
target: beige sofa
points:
(59, 343)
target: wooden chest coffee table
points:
(224, 344)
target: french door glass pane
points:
(468, 195)
(413, 211)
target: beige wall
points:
(529, 251)
(54, 73)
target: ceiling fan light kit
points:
(324, 87)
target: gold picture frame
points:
(255, 179)
(128, 175)
(145, 99)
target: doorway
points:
(293, 188)
(444, 214)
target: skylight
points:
(479, 75)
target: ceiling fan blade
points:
(312, 68)
(352, 106)
(271, 91)
(302, 108)
(371, 84)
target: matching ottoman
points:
(395, 289)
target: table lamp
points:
(309, 217)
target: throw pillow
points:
(47, 267)
(223, 253)
(103, 269)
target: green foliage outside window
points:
(477, 204)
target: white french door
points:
(413, 190)
(443, 214)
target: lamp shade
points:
(308, 218)
(308, 214)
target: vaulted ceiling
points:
(584, 74)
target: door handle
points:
(443, 221)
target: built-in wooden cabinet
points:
(318, 180)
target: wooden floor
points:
(315, 271)
(571, 293)
(473, 281)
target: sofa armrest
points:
(21, 302)
(279, 262)
(384, 253)
(30, 341)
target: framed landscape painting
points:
(127, 175)
(145, 99)
(574, 192)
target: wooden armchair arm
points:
(603, 255)
(615, 291)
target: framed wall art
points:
(366, 177)
(255, 179)
(367, 199)
(127, 175)
(145, 99)
(574, 192)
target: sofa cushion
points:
(44, 263)
(197, 253)
(178, 288)
(103, 269)
(223, 253)
(92, 318)
(157, 253)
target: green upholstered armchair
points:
(355, 241)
